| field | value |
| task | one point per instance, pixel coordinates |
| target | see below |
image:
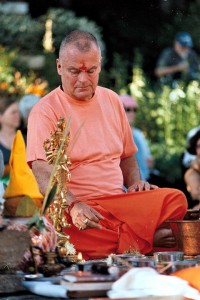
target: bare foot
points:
(164, 237)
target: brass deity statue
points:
(56, 154)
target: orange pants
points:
(130, 221)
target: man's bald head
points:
(81, 40)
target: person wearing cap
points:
(178, 62)
(143, 155)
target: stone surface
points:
(13, 246)
(10, 284)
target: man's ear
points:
(58, 64)
(100, 64)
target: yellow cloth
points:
(22, 181)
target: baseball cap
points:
(128, 101)
(184, 39)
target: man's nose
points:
(83, 76)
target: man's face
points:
(182, 50)
(198, 148)
(79, 71)
(130, 113)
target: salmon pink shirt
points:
(104, 139)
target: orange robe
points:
(130, 222)
(105, 139)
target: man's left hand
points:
(142, 186)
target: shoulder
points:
(103, 91)
(167, 52)
(109, 99)
(48, 101)
(138, 133)
(193, 54)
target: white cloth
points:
(46, 289)
(141, 282)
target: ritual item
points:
(22, 194)
(168, 256)
(50, 266)
(142, 262)
(178, 265)
(56, 153)
(86, 284)
(187, 236)
(187, 232)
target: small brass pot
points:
(187, 235)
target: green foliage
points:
(21, 32)
(65, 21)
(50, 198)
(18, 80)
(26, 207)
(37, 221)
(165, 116)
(182, 20)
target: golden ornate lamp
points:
(56, 154)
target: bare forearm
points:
(130, 170)
(42, 172)
(162, 71)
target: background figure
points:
(192, 175)
(187, 157)
(144, 157)
(25, 105)
(9, 122)
(179, 61)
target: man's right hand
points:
(182, 67)
(85, 217)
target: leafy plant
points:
(165, 116)
(21, 32)
(66, 21)
(18, 82)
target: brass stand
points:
(58, 145)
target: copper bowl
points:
(187, 234)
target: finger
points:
(133, 188)
(153, 187)
(92, 224)
(146, 186)
(93, 215)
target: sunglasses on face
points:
(128, 109)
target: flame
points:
(79, 256)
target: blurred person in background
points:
(178, 62)
(187, 157)
(144, 157)
(25, 105)
(192, 175)
(9, 123)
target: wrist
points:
(71, 205)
